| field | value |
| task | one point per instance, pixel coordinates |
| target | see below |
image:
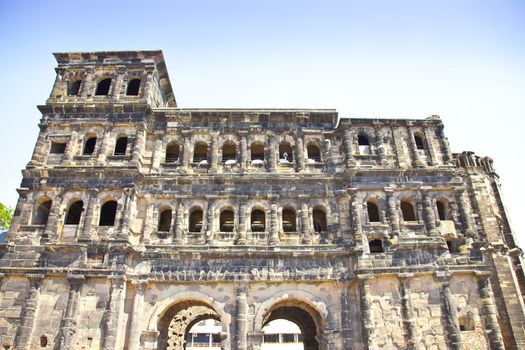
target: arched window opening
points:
(58, 148)
(376, 246)
(319, 217)
(285, 153)
(121, 146)
(407, 209)
(195, 224)
(103, 87)
(314, 154)
(200, 152)
(282, 334)
(442, 210)
(364, 144)
(205, 334)
(172, 153)
(226, 221)
(133, 87)
(73, 88)
(258, 221)
(165, 220)
(108, 213)
(42, 213)
(228, 152)
(466, 322)
(373, 212)
(74, 213)
(89, 146)
(289, 220)
(419, 142)
(257, 151)
(43, 341)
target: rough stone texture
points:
(137, 219)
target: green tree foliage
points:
(6, 215)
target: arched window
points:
(133, 87)
(226, 221)
(89, 146)
(258, 221)
(375, 245)
(172, 153)
(200, 152)
(103, 87)
(257, 151)
(165, 220)
(314, 154)
(407, 209)
(319, 217)
(195, 224)
(285, 153)
(121, 146)
(373, 212)
(73, 87)
(107, 214)
(74, 213)
(419, 142)
(42, 212)
(442, 210)
(364, 144)
(228, 152)
(289, 220)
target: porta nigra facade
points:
(137, 219)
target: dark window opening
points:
(108, 213)
(319, 217)
(58, 147)
(133, 87)
(43, 341)
(103, 87)
(442, 211)
(74, 213)
(285, 153)
(450, 246)
(172, 153)
(257, 151)
(121, 145)
(258, 221)
(313, 152)
(373, 212)
(419, 142)
(165, 220)
(200, 152)
(289, 221)
(73, 88)
(42, 213)
(408, 212)
(228, 152)
(196, 221)
(363, 140)
(376, 246)
(226, 221)
(89, 146)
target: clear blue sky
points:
(463, 60)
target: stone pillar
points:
(445, 147)
(103, 148)
(138, 148)
(112, 316)
(430, 218)
(300, 153)
(272, 157)
(488, 312)
(157, 155)
(349, 152)
(52, 220)
(28, 314)
(241, 238)
(88, 231)
(305, 224)
(449, 313)
(149, 84)
(127, 214)
(356, 218)
(464, 212)
(365, 304)
(380, 147)
(244, 153)
(214, 153)
(186, 155)
(69, 323)
(21, 211)
(70, 147)
(392, 212)
(210, 225)
(416, 159)
(148, 221)
(406, 310)
(327, 154)
(136, 318)
(346, 317)
(429, 136)
(118, 80)
(274, 225)
(344, 233)
(242, 317)
(86, 87)
(179, 225)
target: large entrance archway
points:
(177, 321)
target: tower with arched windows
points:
(139, 222)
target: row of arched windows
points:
(121, 145)
(103, 86)
(364, 143)
(408, 210)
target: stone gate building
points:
(138, 219)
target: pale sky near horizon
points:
(463, 60)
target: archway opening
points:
(282, 334)
(204, 334)
(258, 220)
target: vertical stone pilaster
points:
(430, 218)
(113, 314)
(186, 155)
(365, 304)
(346, 317)
(392, 212)
(69, 323)
(148, 88)
(157, 155)
(38, 156)
(70, 147)
(416, 159)
(274, 225)
(349, 152)
(214, 153)
(430, 145)
(241, 238)
(179, 225)
(241, 317)
(28, 315)
(449, 313)
(380, 146)
(445, 147)
(272, 157)
(210, 213)
(117, 82)
(406, 309)
(127, 214)
(104, 146)
(300, 153)
(52, 220)
(137, 315)
(305, 224)
(138, 148)
(344, 232)
(464, 213)
(148, 221)
(244, 153)
(488, 312)
(88, 232)
(87, 86)
(21, 211)
(356, 218)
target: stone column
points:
(103, 148)
(416, 159)
(430, 219)
(393, 214)
(348, 140)
(244, 153)
(69, 323)
(136, 318)
(274, 225)
(157, 155)
(346, 317)
(127, 215)
(148, 221)
(344, 233)
(38, 153)
(300, 153)
(406, 309)
(242, 317)
(179, 225)
(445, 147)
(488, 312)
(112, 315)
(28, 314)
(464, 212)
(210, 226)
(365, 304)
(327, 154)
(21, 211)
(186, 155)
(305, 224)
(214, 153)
(52, 220)
(70, 147)
(272, 157)
(356, 218)
(380, 147)
(449, 313)
(138, 148)
(149, 84)
(86, 87)
(88, 230)
(430, 145)
(241, 238)
(117, 79)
